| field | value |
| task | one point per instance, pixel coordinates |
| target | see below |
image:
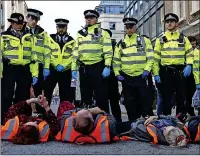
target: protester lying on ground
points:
(166, 130)
(193, 125)
(85, 125)
(21, 128)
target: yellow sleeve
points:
(116, 62)
(75, 55)
(157, 54)
(149, 54)
(196, 66)
(189, 52)
(34, 65)
(47, 52)
(107, 48)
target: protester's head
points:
(175, 136)
(193, 41)
(83, 122)
(27, 134)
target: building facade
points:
(150, 15)
(9, 7)
(111, 15)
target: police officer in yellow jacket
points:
(173, 62)
(41, 47)
(190, 81)
(93, 52)
(19, 62)
(132, 63)
(62, 45)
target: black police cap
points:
(131, 21)
(91, 13)
(35, 13)
(171, 16)
(16, 18)
(61, 21)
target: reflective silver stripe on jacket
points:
(68, 50)
(173, 49)
(27, 48)
(172, 56)
(11, 48)
(54, 50)
(11, 56)
(133, 54)
(66, 57)
(26, 57)
(91, 51)
(134, 62)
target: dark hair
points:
(86, 125)
(26, 135)
(192, 38)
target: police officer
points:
(132, 63)
(41, 47)
(19, 62)
(94, 53)
(113, 89)
(62, 45)
(173, 62)
(190, 81)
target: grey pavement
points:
(118, 148)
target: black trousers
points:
(39, 86)
(151, 90)
(14, 74)
(172, 79)
(136, 98)
(64, 82)
(91, 79)
(113, 96)
(190, 90)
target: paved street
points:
(119, 148)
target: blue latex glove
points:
(35, 80)
(106, 72)
(59, 68)
(187, 70)
(198, 87)
(120, 78)
(157, 79)
(46, 72)
(145, 74)
(74, 75)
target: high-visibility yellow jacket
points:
(169, 50)
(20, 52)
(133, 55)
(1, 65)
(196, 66)
(62, 56)
(41, 46)
(91, 50)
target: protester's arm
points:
(19, 108)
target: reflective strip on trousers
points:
(172, 56)
(10, 129)
(91, 51)
(173, 49)
(69, 129)
(133, 54)
(103, 131)
(11, 56)
(44, 131)
(134, 62)
(27, 48)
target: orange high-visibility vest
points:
(10, 129)
(99, 135)
(197, 138)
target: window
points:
(141, 30)
(131, 12)
(160, 20)
(153, 19)
(107, 10)
(127, 3)
(147, 28)
(135, 7)
(141, 2)
(121, 9)
(181, 4)
(112, 25)
(1, 16)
